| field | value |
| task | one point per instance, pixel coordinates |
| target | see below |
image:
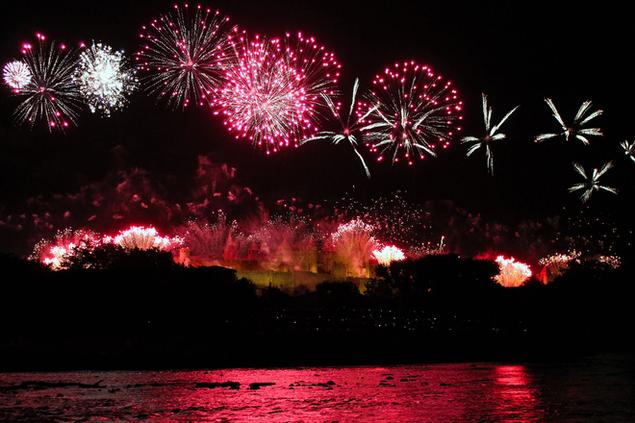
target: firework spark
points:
(629, 149)
(592, 181)
(184, 53)
(491, 135)
(416, 110)
(143, 238)
(274, 89)
(51, 95)
(577, 129)
(349, 130)
(388, 254)
(17, 75)
(512, 273)
(56, 252)
(104, 79)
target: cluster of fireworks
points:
(512, 273)
(53, 81)
(274, 92)
(56, 252)
(350, 249)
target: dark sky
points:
(517, 52)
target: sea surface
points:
(591, 389)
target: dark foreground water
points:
(594, 389)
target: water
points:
(587, 390)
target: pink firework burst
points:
(274, 90)
(184, 53)
(416, 111)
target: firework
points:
(353, 244)
(274, 89)
(415, 111)
(51, 94)
(592, 181)
(629, 149)
(491, 135)
(184, 53)
(55, 253)
(104, 79)
(512, 273)
(349, 130)
(16, 75)
(388, 254)
(577, 129)
(143, 238)
(612, 261)
(555, 265)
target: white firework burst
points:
(51, 95)
(350, 131)
(591, 181)
(184, 54)
(105, 79)
(577, 129)
(16, 74)
(629, 149)
(491, 135)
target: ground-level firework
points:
(512, 273)
(388, 254)
(416, 112)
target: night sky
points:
(516, 53)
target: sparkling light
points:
(592, 181)
(388, 254)
(104, 78)
(416, 110)
(492, 134)
(54, 253)
(577, 128)
(184, 54)
(51, 95)
(512, 273)
(274, 89)
(143, 238)
(16, 74)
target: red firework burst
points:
(416, 111)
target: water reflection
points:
(516, 395)
(456, 392)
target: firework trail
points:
(51, 94)
(416, 110)
(592, 181)
(104, 79)
(629, 149)
(492, 134)
(349, 131)
(184, 54)
(16, 75)
(274, 90)
(576, 130)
